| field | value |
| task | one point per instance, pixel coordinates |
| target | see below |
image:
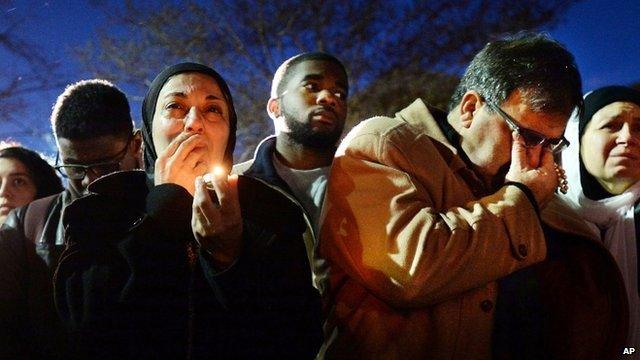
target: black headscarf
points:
(149, 109)
(593, 102)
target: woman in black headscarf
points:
(603, 169)
(165, 271)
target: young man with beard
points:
(308, 106)
(92, 126)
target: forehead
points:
(549, 124)
(10, 166)
(190, 83)
(618, 108)
(87, 151)
(324, 68)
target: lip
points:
(324, 116)
(626, 155)
(4, 209)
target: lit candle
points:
(217, 172)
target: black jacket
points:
(126, 287)
(29, 328)
(261, 167)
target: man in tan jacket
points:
(443, 233)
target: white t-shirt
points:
(308, 187)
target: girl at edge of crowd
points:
(24, 177)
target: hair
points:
(601, 97)
(42, 174)
(540, 67)
(284, 72)
(91, 108)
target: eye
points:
(611, 126)
(312, 87)
(173, 105)
(340, 94)
(215, 109)
(19, 182)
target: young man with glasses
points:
(87, 173)
(443, 232)
(94, 132)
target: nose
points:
(194, 121)
(4, 189)
(626, 135)
(326, 97)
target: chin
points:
(624, 175)
(626, 171)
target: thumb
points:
(518, 151)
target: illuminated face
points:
(192, 103)
(16, 186)
(610, 146)
(314, 103)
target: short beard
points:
(303, 134)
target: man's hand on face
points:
(533, 168)
(185, 158)
(218, 227)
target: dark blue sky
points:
(601, 34)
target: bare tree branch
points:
(393, 50)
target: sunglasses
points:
(532, 138)
(78, 172)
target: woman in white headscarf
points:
(603, 169)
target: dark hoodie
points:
(133, 284)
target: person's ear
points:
(273, 108)
(135, 150)
(469, 105)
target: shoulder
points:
(411, 129)
(261, 158)
(242, 167)
(46, 200)
(559, 215)
(35, 210)
(115, 202)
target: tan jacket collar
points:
(418, 116)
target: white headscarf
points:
(613, 217)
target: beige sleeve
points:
(396, 237)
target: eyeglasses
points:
(78, 172)
(532, 138)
